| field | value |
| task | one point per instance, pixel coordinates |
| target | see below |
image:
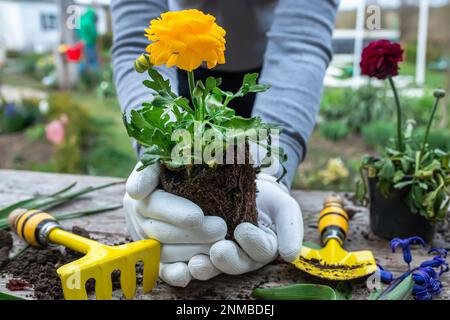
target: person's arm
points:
(296, 58)
(129, 19)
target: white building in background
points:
(33, 25)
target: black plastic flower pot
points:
(391, 217)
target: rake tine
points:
(128, 279)
(71, 290)
(75, 294)
(103, 286)
(150, 274)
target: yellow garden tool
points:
(39, 229)
(331, 261)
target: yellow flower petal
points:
(186, 39)
(172, 60)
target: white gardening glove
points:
(185, 234)
(279, 231)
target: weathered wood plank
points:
(17, 185)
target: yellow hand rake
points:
(331, 261)
(39, 229)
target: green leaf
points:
(9, 296)
(296, 292)
(385, 187)
(387, 169)
(402, 184)
(158, 84)
(210, 84)
(393, 152)
(344, 291)
(374, 295)
(406, 164)
(221, 115)
(399, 291)
(183, 103)
(199, 90)
(430, 197)
(399, 175)
(249, 85)
(434, 165)
(446, 162)
(153, 154)
(238, 122)
(155, 117)
(148, 127)
(442, 212)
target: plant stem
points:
(399, 116)
(427, 131)
(191, 82)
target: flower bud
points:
(439, 93)
(142, 63)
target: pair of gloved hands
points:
(193, 245)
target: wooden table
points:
(17, 185)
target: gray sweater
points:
(290, 39)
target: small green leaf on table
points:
(8, 296)
(296, 292)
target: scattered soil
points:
(315, 263)
(6, 243)
(37, 266)
(227, 191)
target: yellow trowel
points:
(331, 261)
(40, 229)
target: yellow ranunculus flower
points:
(185, 39)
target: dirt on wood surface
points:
(37, 267)
(227, 191)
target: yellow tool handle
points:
(38, 228)
(333, 221)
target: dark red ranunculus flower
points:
(380, 59)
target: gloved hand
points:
(280, 230)
(186, 235)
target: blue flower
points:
(405, 244)
(426, 283)
(426, 277)
(438, 261)
(385, 275)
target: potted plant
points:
(408, 185)
(200, 143)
